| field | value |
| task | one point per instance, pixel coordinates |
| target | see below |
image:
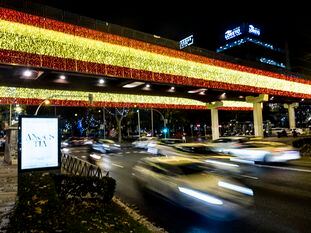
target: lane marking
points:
(284, 168)
(250, 177)
(117, 165)
(269, 166)
(128, 152)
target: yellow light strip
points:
(30, 39)
(28, 93)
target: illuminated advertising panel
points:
(186, 42)
(39, 146)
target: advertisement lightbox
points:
(39, 143)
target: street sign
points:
(186, 42)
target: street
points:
(282, 194)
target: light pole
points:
(152, 123)
(46, 102)
(138, 119)
(104, 122)
(162, 118)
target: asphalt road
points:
(282, 196)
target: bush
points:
(37, 205)
(80, 187)
(41, 206)
(299, 143)
(306, 150)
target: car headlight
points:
(236, 188)
(95, 156)
(201, 196)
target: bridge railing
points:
(73, 165)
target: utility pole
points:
(104, 122)
(152, 133)
(10, 116)
(138, 119)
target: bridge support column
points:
(257, 112)
(214, 118)
(291, 114)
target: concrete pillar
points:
(214, 118)
(257, 112)
(291, 114)
(215, 123)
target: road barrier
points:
(74, 165)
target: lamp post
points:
(138, 119)
(46, 102)
(162, 118)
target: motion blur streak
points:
(236, 188)
(201, 196)
(221, 163)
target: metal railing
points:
(74, 165)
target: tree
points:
(119, 114)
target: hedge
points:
(44, 200)
(70, 186)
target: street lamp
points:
(162, 118)
(138, 119)
(46, 102)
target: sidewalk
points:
(8, 189)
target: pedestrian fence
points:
(73, 165)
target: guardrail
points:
(76, 166)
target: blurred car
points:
(143, 142)
(280, 132)
(76, 141)
(222, 144)
(194, 185)
(265, 151)
(105, 146)
(163, 145)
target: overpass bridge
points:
(43, 58)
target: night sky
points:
(206, 20)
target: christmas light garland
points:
(29, 96)
(99, 53)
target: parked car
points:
(222, 144)
(143, 142)
(105, 146)
(194, 185)
(265, 151)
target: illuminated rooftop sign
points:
(253, 30)
(233, 33)
(186, 42)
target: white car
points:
(265, 151)
(162, 146)
(194, 185)
(105, 146)
(222, 144)
(143, 142)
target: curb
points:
(138, 217)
